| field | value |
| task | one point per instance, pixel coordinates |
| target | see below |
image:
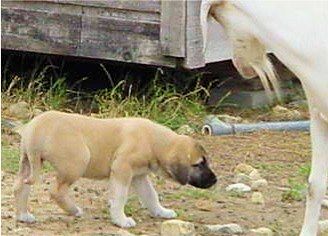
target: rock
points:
(230, 119)
(224, 229)
(259, 184)
(242, 178)
(262, 232)
(186, 130)
(239, 188)
(257, 198)
(323, 226)
(244, 169)
(177, 228)
(255, 175)
(20, 110)
(205, 205)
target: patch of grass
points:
(296, 192)
(298, 185)
(10, 159)
(193, 193)
(161, 103)
(159, 100)
(304, 170)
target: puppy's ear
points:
(180, 173)
(200, 148)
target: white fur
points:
(296, 32)
(119, 195)
(149, 198)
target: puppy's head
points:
(189, 164)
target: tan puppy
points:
(124, 149)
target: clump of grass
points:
(298, 185)
(296, 192)
(161, 103)
(158, 99)
(37, 91)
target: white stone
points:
(239, 188)
(255, 175)
(262, 232)
(323, 226)
(224, 229)
(259, 184)
(177, 228)
(257, 198)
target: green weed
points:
(296, 192)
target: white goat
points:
(297, 33)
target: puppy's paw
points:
(126, 222)
(26, 218)
(165, 213)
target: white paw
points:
(165, 213)
(78, 212)
(26, 218)
(126, 222)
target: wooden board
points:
(121, 31)
(173, 25)
(194, 39)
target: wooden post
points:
(173, 25)
(194, 39)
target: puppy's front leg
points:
(120, 180)
(149, 197)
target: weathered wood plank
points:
(134, 5)
(44, 5)
(125, 40)
(104, 35)
(40, 31)
(194, 40)
(173, 23)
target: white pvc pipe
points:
(213, 126)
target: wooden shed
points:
(154, 32)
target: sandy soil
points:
(278, 157)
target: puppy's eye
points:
(201, 163)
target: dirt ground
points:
(278, 156)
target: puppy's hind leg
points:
(22, 191)
(60, 195)
(149, 198)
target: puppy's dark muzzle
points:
(204, 182)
